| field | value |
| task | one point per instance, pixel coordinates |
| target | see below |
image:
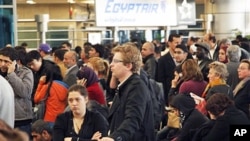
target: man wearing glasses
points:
(131, 113)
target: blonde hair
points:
(220, 69)
(130, 54)
(100, 65)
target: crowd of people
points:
(116, 93)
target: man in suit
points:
(70, 61)
(167, 64)
(210, 39)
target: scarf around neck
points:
(212, 84)
(240, 85)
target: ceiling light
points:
(71, 1)
(30, 2)
(88, 1)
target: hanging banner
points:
(186, 12)
(135, 12)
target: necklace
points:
(77, 124)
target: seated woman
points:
(88, 78)
(190, 118)
(223, 113)
(79, 124)
(192, 78)
(54, 90)
(217, 84)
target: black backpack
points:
(158, 101)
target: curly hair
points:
(218, 103)
(220, 69)
(131, 54)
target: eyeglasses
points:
(116, 61)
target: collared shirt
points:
(212, 51)
(68, 70)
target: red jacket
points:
(95, 92)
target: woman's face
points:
(77, 103)
(212, 75)
(222, 55)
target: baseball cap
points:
(45, 47)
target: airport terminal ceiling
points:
(76, 1)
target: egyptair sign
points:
(135, 12)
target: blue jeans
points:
(25, 128)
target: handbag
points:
(202, 107)
(40, 108)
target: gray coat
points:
(22, 82)
(70, 77)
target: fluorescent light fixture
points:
(71, 1)
(87, 1)
(30, 2)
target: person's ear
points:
(45, 134)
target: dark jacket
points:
(219, 129)
(131, 114)
(223, 88)
(191, 118)
(166, 67)
(38, 74)
(242, 98)
(204, 66)
(150, 65)
(93, 122)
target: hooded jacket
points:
(190, 118)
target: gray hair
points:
(233, 53)
(225, 41)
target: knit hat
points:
(45, 47)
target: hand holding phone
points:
(11, 67)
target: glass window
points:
(6, 2)
(6, 27)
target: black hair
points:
(31, 55)
(21, 52)
(24, 44)
(78, 49)
(9, 52)
(39, 126)
(172, 36)
(60, 53)
(67, 43)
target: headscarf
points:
(87, 73)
